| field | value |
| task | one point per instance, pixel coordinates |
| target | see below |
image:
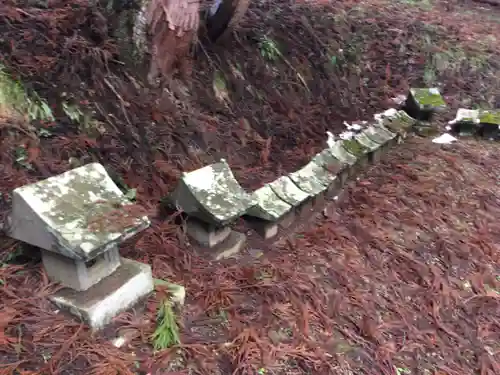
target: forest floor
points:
(402, 276)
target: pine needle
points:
(166, 334)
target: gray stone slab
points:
(354, 147)
(77, 274)
(286, 189)
(367, 142)
(341, 154)
(120, 291)
(79, 214)
(230, 247)
(312, 178)
(428, 98)
(205, 235)
(395, 121)
(269, 205)
(212, 194)
(379, 134)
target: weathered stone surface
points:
(354, 147)
(77, 274)
(395, 121)
(204, 234)
(264, 228)
(422, 103)
(312, 179)
(326, 160)
(341, 154)
(269, 205)
(367, 142)
(375, 149)
(489, 124)
(230, 247)
(212, 194)
(380, 135)
(286, 189)
(79, 214)
(97, 306)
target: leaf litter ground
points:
(401, 277)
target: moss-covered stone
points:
(428, 98)
(212, 194)
(354, 147)
(489, 117)
(422, 103)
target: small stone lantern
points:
(213, 199)
(78, 219)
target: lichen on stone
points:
(75, 207)
(354, 147)
(340, 153)
(312, 178)
(286, 189)
(380, 135)
(269, 205)
(398, 121)
(218, 191)
(367, 142)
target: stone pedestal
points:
(77, 274)
(422, 103)
(230, 247)
(206, 235)
(264, 228)
(118, 292)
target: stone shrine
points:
(78, 219)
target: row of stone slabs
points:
(79, 218)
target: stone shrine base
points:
(99, 304)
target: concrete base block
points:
(375, 156)
(334, 188)
(231, 246)
(287, 220)
(264, 228)
(318, 201)
(205, 235)
(77, 274)
(98, 305)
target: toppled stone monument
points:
(213, 199)
(78, 219)
(483, 123)
(466, 122)
(269, 213)
(423, 103)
